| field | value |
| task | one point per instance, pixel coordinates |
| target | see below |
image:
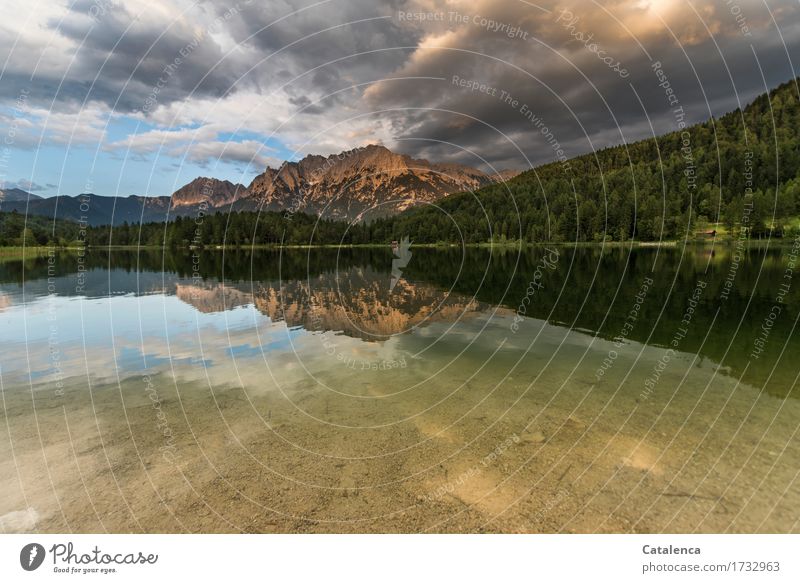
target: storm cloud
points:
(481, 82)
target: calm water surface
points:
(553, 390)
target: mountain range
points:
(365, 182)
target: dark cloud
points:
(575, 95)
(318, 65)
(135, 62)
(305, 105)
(122, 59)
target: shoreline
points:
(39, 250)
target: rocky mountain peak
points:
(365, 181)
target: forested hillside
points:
(664, 188)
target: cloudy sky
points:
(141, 96)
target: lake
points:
(564, 389)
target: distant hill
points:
(16, 195)
(95, 209)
